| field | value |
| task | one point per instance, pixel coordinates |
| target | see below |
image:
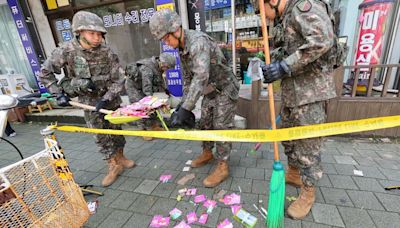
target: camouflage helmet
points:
(84, 20)
(168, 60)
(163, 22)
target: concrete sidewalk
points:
(343, 198)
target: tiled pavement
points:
(343, 199)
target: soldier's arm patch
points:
(304, 6)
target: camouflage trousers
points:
(218, 114)
(136, 95)
(305, 154)
(107, 144)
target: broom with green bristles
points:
(276, 200)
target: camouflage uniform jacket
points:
(305, 34)
(204, 66)
(149, 76)
(100, 65)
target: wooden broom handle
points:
(268, 61)
(89, 107)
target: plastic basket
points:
(39, 191)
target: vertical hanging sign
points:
(174, 76)
(373, 27)
(197, 19)
(19, 20)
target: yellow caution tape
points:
(283, 134)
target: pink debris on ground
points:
(165, 178)
(191, 217)
(231, 199)
(203, 218)
(200, 198)
(225, 224)
(159, 221)
(191, 192)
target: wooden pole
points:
(268, 61)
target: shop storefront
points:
(126, 22)
(372, 31)
(128, 32)
(16, 72)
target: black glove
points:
(100, 104)
(63, 100)
(182, 118)
(275, 71)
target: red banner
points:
(372, 29)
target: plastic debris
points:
(210, 203)
(178, 198)
(175, 213)
(231, 199)
(185, 179)
(159, 221)
(358, 172)
(225, 224)
(259, 211)
(235, 208)
(203, 219)
(186, 169)
(182, 224)
(191, 217)
(189, 162)
(265, 211)
(165, 178)
(92, 207)
(255, 148)
(291, 198)
(142, 108)
(392, 187)
(200, 198)
(191, 192)
(182, 191)
(245, 218)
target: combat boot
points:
(220, 173)
(114, 169)
(202, 159)
(122, 160)
(300, 208)
(292, 177)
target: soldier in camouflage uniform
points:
(205, 73)
(144, 77)
(94, 75)
(304, 33)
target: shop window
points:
(12, 54)
(128, 31)
(248, 30)
(126, 22)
